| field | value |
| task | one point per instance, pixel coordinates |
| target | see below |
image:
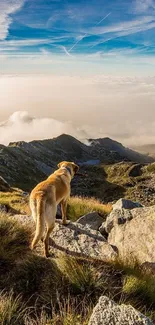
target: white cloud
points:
(26, 42)
(21, 126)
(65, 50)
(142, 6)
(126, 27)
(119, 107)
(7, 7)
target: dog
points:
(44, 199)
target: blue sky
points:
(102, 36)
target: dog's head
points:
(70, 166)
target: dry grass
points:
(15, 201)
(78, 206)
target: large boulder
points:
(107, 312)
(79, 240)
(120, 213)
(120, 217)
(126, 204)
(135, 240)
(76, 240)
(92, 219)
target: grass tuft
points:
(78, 206)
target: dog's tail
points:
(40, 221)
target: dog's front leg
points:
(63, 211)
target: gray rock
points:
(107, 312)
(135, 240)
(126, 204)
(79, 240)
(93, 220)
(135, 170)
(76, 240)
(120, 217)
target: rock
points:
(79, 240)
(120, 217)
(4, 186)
(126, 204)
(135, 240)
(93, 220)
(76, 240)
(135, 170)
(107, 312)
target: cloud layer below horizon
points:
(39, 107)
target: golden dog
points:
(45, 197)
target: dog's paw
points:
(49, 255)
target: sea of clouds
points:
(39, 107)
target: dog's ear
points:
(60, 164)
(75, 168)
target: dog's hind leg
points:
(50, 223)
(63, 211)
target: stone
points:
(135, 240)
(135, 170)
(126, 204)
(81, 241)
(120, 217)
(107, 312)
(75, 240)
(92, 219)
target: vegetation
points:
(78, 206)
(151, 168)
(64, 289)
(15, 201)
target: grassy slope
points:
(36, 290)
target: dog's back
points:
(45, 197)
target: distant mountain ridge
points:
(148, 149)
(24, 164)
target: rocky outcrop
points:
(117, 216)
(92, 219)
(76, 240)
(107, 312)
(120, 213)
(135, 240)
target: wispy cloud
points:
(86, 34)
(26, 42)
(65, 50)
(7, 7)
(126, 27)
(142, 6)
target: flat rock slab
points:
(107, 312)
(76, 240)
(79, 240)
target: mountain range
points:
(24, 164)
